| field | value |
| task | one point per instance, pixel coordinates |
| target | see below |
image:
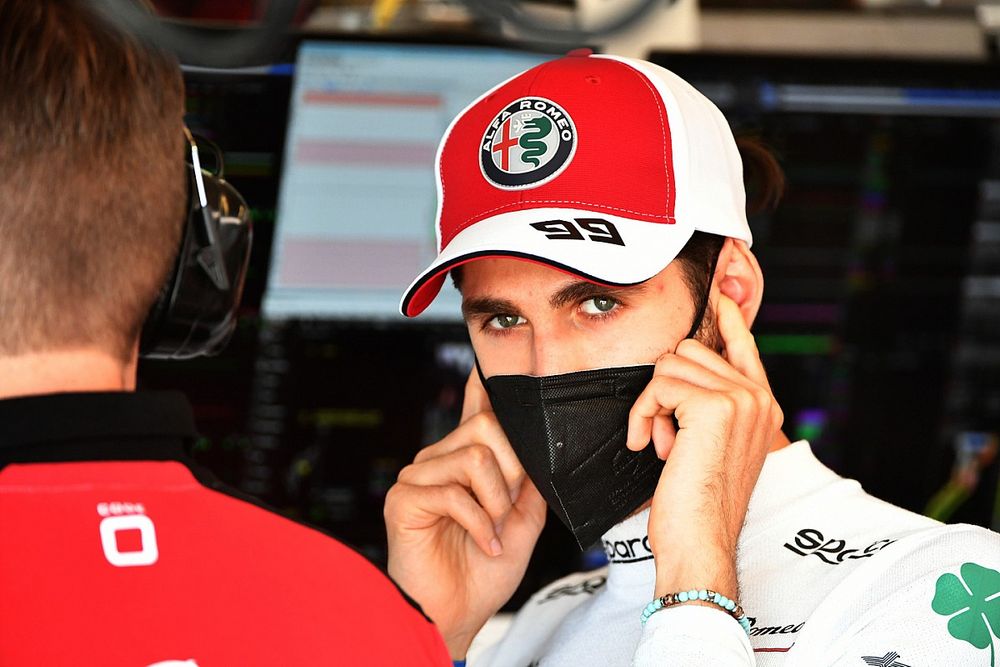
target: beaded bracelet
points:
(705, 595)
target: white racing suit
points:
(829, 575)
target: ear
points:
(739, 277)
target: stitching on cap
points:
(473, 219)
(440, 168)
(663, 130)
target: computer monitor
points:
(356, 207)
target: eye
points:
(505, 321)
(599, 305)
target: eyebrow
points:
(487, 306)
(583, 290)
(574, 292)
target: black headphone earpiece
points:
(196, 311)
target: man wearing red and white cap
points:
(623, 390)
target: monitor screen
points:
(356, 207)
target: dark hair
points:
(765, 183)
(93, 180)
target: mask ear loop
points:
(482, 378)
(703, 306)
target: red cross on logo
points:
(504, 146)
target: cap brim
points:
(596, 246)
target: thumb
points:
(476, 400)
(531, 505)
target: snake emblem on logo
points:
(530, 142)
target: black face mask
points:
(569, 432)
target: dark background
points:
(880, 349)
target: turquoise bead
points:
(695, 594)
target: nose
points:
(558, 352)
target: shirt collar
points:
(38, 427)
(630, 559)
(788, 475)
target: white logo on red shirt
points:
(128, 536)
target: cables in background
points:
(263, 41)
(255, 45)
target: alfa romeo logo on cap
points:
(528, 144)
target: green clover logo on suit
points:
(973, 603)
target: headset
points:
(196, 310)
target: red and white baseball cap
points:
(596, 165)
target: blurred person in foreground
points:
(113, 550)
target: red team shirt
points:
(112, 552)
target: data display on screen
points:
(355, 218)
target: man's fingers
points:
(480, 429)
(741, 349)
(662, 396)
(476, 400)
(474, 467)
(420, 507)
(682, 368)
(531, 503)
(696, 352)
(664, 433)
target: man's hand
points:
(727, 420)
(462, 521)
